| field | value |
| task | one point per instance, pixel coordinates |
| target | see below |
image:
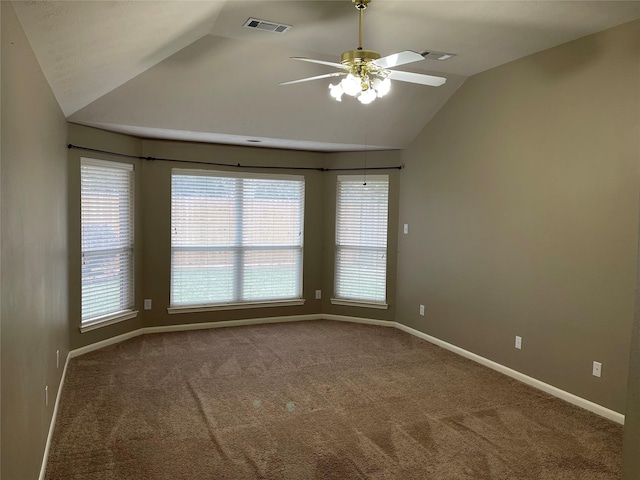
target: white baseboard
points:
(231, 323)
(545, 387)
(52, 425)
(366, 321)
(190, 326)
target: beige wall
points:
(631, 446)
(33, 252)
(522, 201)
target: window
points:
(235, 239)
(107, 242)
(361, 240)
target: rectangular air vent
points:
(437, 55)
(266, 26)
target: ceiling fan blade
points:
(416, 78)
(321, 62)
(397, 59)
(308, 79)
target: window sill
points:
(357, 303)
(108, 320)
(235, 306)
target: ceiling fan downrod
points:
(358, 57)
(361, 5)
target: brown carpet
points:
(314, 400)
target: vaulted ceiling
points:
(190, 70)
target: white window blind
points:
(235, 238)
(361, 238)
(107, 239)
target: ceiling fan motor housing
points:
(358, 56)
(359, 63)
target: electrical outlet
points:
(422, 310)
(147, 304)
(318, 294)
(46, 395)
(57, 358)
(597, 369)
(405, 229)
(518, 342)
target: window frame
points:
(353, 301)
(129, 311)
(237, 302)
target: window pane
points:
(272, 213)
(362, 274)
(202, 277)
(235, 238)
(272, 274)
(106, 281)
(361, 238)
(203, 211)
(107, 238)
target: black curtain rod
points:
(232, 165)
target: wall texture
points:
(631, 445)
(33, 252)
(522, 201)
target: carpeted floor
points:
(313, 400)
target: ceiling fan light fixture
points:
(367, 75)
(367, 96)
(336, 91)
(351, 85)
(382, 86)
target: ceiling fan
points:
(366, 74)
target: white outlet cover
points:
(318, 294)
(147, 304)
(597, 369)
(422, 310)
(405, 228)
(518, 342)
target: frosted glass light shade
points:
(350, 85)
(336, 91)
(367, 96)
(382, 86)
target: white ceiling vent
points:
(266, 26)
(437, 55)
